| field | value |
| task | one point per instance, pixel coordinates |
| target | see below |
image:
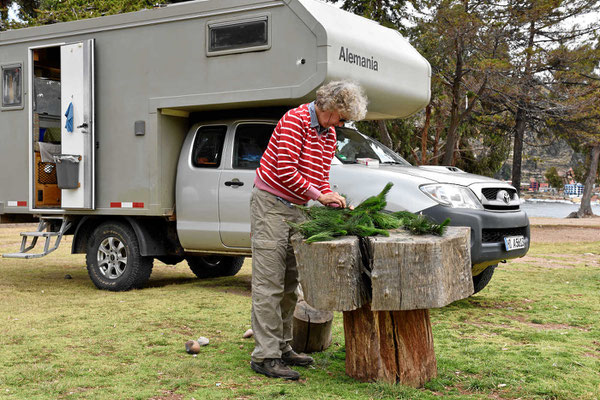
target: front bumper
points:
(488, 230)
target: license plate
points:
(514, 242)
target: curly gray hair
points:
(345, 97)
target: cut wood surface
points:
(330, 273)
(412, 272)
(407, 271)
(312, 328)
(389, 346)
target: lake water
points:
(553, 210)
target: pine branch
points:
(367, 219)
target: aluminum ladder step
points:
(44, 232)
(39, 234)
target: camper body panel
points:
(155, 72)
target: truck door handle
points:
(234, 182)
(84, 125)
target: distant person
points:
(293, 170)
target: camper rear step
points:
(45, 230)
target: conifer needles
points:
(367, 219)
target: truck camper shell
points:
(104, 104)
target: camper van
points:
(139, 133)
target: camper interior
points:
(46, 132)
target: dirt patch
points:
(562, 234)
(543, 326)
(168, 395)
(546, 262)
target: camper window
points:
(208, 146)
(238, 36)
(12, 85)
(250, 142)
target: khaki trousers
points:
(274, 274)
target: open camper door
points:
(76, 163)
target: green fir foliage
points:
(367, 219)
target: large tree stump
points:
(312, 328)
(411, 272)
(391, 339)
(389, 346)
(330, 273)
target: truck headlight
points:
(455, 196)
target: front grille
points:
(501, 208)
(498, 235)
(491, 193)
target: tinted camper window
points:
(238, 36)
(12, 79)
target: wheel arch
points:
(152, 234)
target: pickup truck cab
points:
(217, 168)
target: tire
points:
(480, 281)
(113, 258)
(214, 266)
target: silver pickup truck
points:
(216, 172)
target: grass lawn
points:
(534, 333)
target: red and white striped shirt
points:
(297, 160)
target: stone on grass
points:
(202, 341)
(248, 334)
(192, 347)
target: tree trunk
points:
(389, 346)
(384, 134)
(452, 135)
(585, 208)
(424, 134)
(521, 114)
(312, 328)
(518, 149)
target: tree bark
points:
(521, 114)
(411, 272)
(585, 208)
(384, 134)
(518, 149)
(331, 273)
(424, 134)
(312, 328)
(389, 346)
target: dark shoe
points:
(293, 358)
(275, 368)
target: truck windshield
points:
(352, 144)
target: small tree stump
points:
(312, 328)
(389, 346)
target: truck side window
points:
(208, 146)
(250, 142)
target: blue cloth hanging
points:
(69, 115)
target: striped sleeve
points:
(287, 154)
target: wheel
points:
(214, 266)
(480, 281)
(113, 258)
